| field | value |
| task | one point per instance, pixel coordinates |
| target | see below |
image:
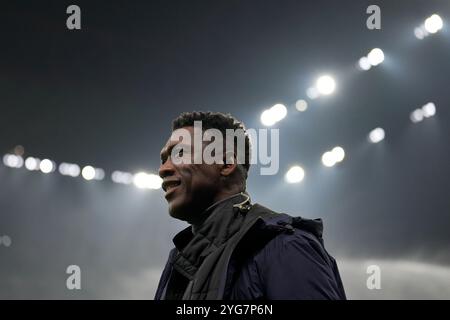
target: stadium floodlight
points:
(364, 63)
(295, 174)
(122, 177)
(47, 166)
(338, 153)
(429, 110)
(276, 113)
(69, 169)
(32, 164)
(325, 85)
(376, 135)
(328, 159)
(433, 24)
(144, 180)
(88, 173)
(416, 115)
(13, 161)
(375, 56)
(301, 105)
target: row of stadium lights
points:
(325, 85)
(330, 158)
(142, 180)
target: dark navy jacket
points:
(279, 257)
(291, 266)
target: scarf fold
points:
(195, 243)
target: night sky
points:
(105, 95)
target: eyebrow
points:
(167, 150)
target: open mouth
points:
(170, 185)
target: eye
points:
(180, 153)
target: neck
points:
(222, 195)
(206, 213)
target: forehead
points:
(175, 138)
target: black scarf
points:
(202, 256)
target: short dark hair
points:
(219, 121)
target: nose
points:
(166, 169)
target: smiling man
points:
(234, 249)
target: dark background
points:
(106, 94)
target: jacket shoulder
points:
(281, 223)
(290, 264)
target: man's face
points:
(189, 188)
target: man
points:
(234, 249)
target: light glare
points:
(312, 93)
(376, 135)
(375, 56)
(325, 85)
(364, 63)
(12, 161)
(429, 110)
(328, 159)
(271, 116)
(433, 24)
(69, 169)
(122, 177)
(295, 174)
(301, 105)
(279, 111)
(46, 166)
(338, 153)
(88, 173)
(144, 180)
(416, 115)
(32, 164)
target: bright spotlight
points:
(338, 153)
(74, 170)
(267, 118)
(47, 166)
(140, 180)
(433, 24)
(154, 181)
(271, 116)
(364, 63)
(416, 115)
(295, 174)
(69, 169)
(32, 164)
(301, 105)
(376, 135)
(13, 161)
(88, 173)
(429, 110)
(312, 93)
(278, 111)
(144, 180)
(419, 32)
(122, 177)
(375, 56)
(325, 85)
(328, 159)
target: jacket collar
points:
(221, 223)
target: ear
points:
(229, 165)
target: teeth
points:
(170, 186)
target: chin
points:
(177, 212)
